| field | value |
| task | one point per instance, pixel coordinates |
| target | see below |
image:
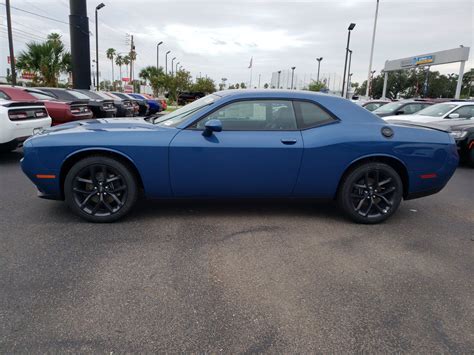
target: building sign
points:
(27, 75)
(128, 89)
(423, 60)
(126, 79)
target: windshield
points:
(78, 95)
(391, 107)
(174, 118)
(40, 95)
(91, 95)
(437, 110)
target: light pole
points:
(349, 80)
(158, 54)
(172, 65)
(10, 43)
(292, 76)
(371, 78)
(176, 71)
(349, 72)
(349, 29)
(97, 8)
(278, 82)
(319, 66)
(367, 91)
(166, 64)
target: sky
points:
(218, 38)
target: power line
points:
(35, 14)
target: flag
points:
(251, 60)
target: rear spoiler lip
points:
(24, 104)
(420, 125)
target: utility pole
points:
(349, 73)
(132, 51)
(158, 54)
(259, 76)
(319, 66)
(98, 7)
(292, 76)
(166, 62)
(278, 83)
(349, 29)
(367, 91)
(10, 43)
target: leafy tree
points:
(105, 85)
(47, 60)
(111, 53)
(154, 76)
(242, 86)
(316, 86)
(126, 62)
(266, 86)
(205, 85)
(232, 87)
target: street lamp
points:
(349, 29)
(172, 65)
(166, 65)
(371, 80)
(97, 8)
(319, 65)
(278, 83)
(177, 63)
(158, 54)
(372, 49)
(348, 72)
(292, 76)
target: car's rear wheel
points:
(100, 189)
(370, 193)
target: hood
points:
(102, 125)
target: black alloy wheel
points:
(371, 193)
(100, 189)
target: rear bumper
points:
(20, 130)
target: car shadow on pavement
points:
(10, 158)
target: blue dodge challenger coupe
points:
(243, 143)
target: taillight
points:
(17, 115)
(41, 113)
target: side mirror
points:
(453, 115)
(400, 112)
(212, 126)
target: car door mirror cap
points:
(212, 126)
(453, 115)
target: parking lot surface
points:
(236, 276)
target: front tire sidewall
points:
(123, 170)
(345, 202)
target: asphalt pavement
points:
(236, 276)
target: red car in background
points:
(59, 111)
(163, 103)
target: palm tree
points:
(46, 60)
(126, 61)
(119, 62)
(110, 55)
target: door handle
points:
(288, 141)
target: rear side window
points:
(311, 115)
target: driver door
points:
(257, 153)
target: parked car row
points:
(24, 110)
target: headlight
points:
(459, 134)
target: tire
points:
(100, 189)
(470, 157)
(370, 193)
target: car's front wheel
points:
(371, 193)
(100, 189)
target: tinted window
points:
(258, 115)
(437, 110)
(389, 108)
(312, 115)
(373, 106)
(465, 111)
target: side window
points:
(411, 108)
(465, 111)
(256, 115)
(311, 114)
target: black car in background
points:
(404, 107)
(99, 107)
(124, 107)
(143, 105)
(462, 131)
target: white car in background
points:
(19, 120)
(437, 112)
